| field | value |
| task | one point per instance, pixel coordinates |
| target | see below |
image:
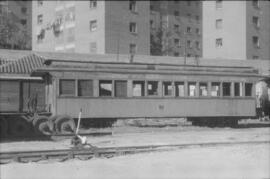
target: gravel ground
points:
(240, 161)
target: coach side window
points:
(120, 88)
(238, 89)
(105, 88)
(203, 89)
(152, 88)
(167, 88)
(179, 89)
(226, 87)
(248, 89)
(67, 87)
(85, 88)
(215, 89)
(191, 89)
(138, 88)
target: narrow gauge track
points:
(105, 152)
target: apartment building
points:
(95, 27)
(236, 29)
(177, 26)
(15, 24)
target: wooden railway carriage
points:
(139, 90)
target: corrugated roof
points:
(23, 65)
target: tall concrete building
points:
(236, 29)
(15, 24)
(91, 26)
(177, 26)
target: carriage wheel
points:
(42, 126)
(20, 127)
(3, 127)
(64, 125)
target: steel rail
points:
(105, 152)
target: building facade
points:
(95, 27)
(236, 29)
(15, 24)
(177, 25)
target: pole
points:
(79, 121)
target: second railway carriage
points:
(203, 94)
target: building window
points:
(198, 31)
(39, 2)
(255, 3)
(188, 55)
(188, 3)
(132, 27)
(218, 23)
(85, 87)
(152, 24)
(167, 88)
(238, 89)
(138, 88)
(197, 18)
(93, 4)
(23, 21)
(198, 45)
(176, 28)
(219, 42)
(151, 7)
(191, 89)
(132, 6)
(177, 43)
(255, 21)
(105, 88)
(189, 17)
(39, 19)
(93, 47)
(120, 88)
(67, 87)
(189, 44)
(218, 4)
(93, 25)
(215, 89)
(248, 89)
(24, 10)
(152, 88)
(176, 54)
(255, 57)
(188, 30)
(179, 89)
(203, 89)
(255, 41)
(176, 13)
(132, 48)
(226, 88)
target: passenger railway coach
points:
(208, 94)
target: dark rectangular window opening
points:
(120, 88)
(138, 88)
(203, 89)
(226, 87)
(85, 88)
(132, 5)
(237, 89)
(167, 88)
(248, 89)
(105, 88)
(179, 89)
(67, 87)
(152, 88)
